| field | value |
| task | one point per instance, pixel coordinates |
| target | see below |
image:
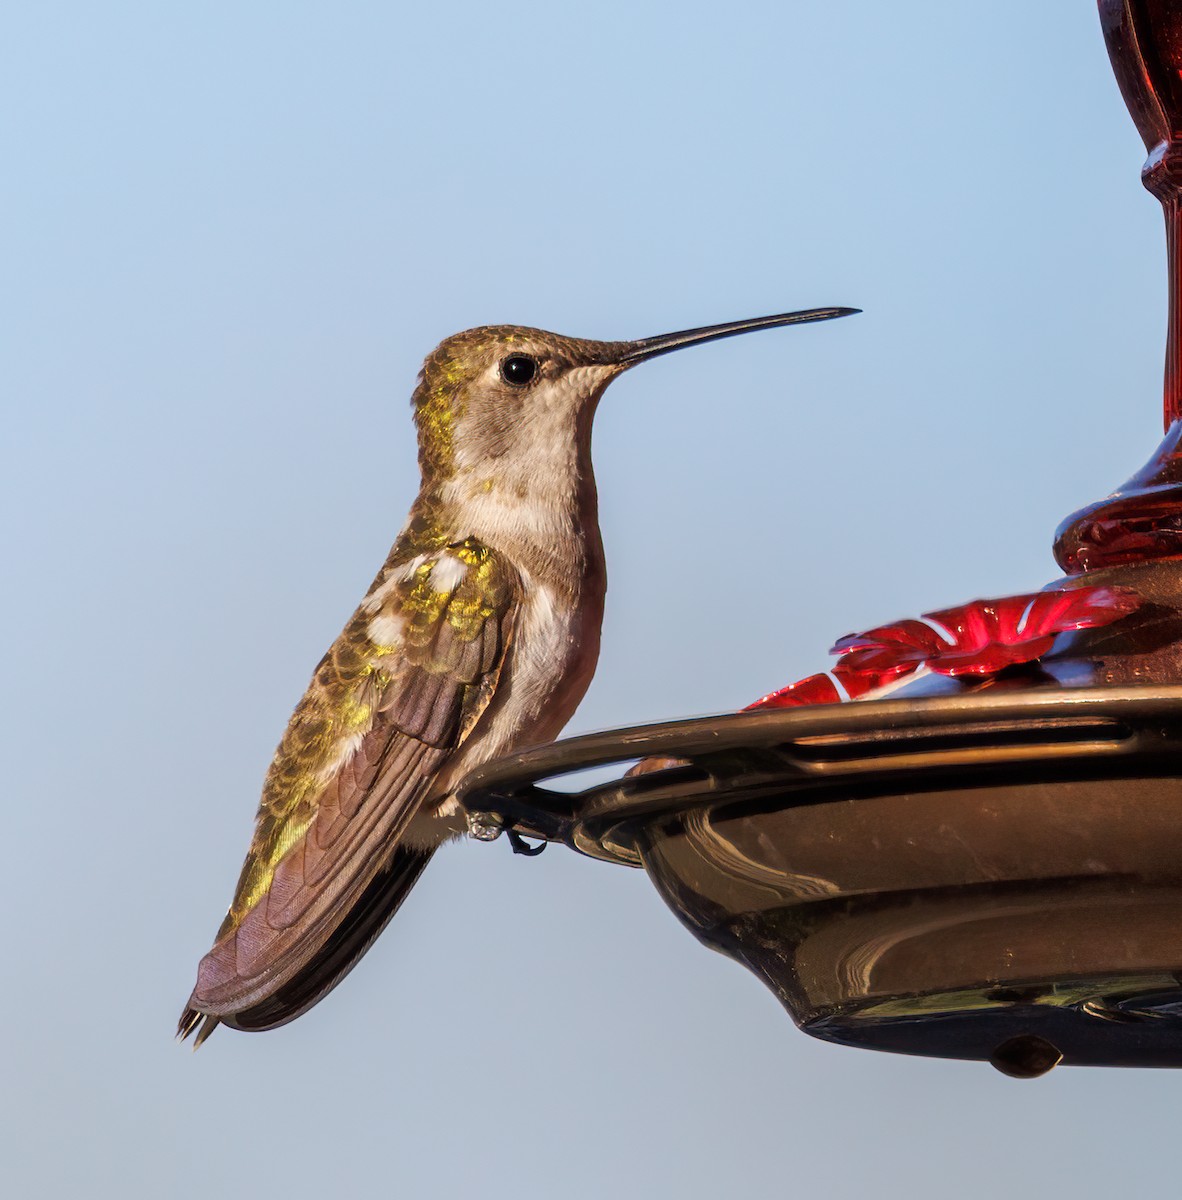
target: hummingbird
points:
(480, 634)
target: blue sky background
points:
(231, 233)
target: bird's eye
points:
(518, 369)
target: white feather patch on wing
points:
(407, 570)
(381, 593)
(386, 629)
(345, 749)
(447, 573)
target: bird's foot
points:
(487, 827)
(521, 846)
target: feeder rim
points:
(806, 752)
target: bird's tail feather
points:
(336, 958)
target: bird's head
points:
(505, 405)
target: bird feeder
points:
(982, 859)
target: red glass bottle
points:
(1142, 520)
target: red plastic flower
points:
(980, 639)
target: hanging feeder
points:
(980, 857)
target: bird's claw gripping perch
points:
(487, 827)
(521, 846)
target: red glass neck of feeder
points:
(1145, 45)
(1143, 519)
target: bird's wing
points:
(396, 695)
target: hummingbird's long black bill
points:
(665, 342)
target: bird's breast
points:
(551, 660)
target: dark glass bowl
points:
(991, 876)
